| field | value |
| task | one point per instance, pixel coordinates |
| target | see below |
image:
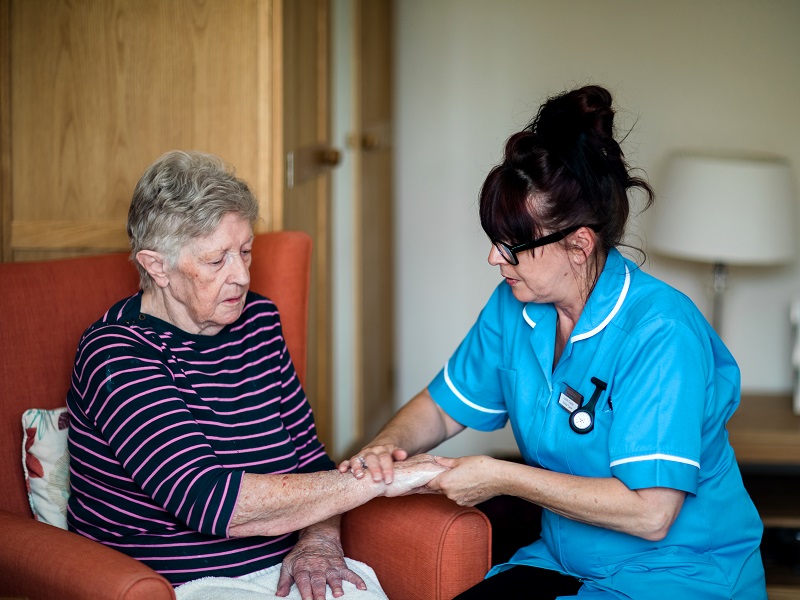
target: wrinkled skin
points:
(316, 562)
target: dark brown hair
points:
(565, 168)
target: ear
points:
(154, 263)
(581, 244)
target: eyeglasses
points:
(509, 253)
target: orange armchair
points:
(421, 547)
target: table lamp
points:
(725, 210)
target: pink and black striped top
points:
(164, 425)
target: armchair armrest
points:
(422, 547)
(41, 561)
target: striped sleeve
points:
(129, 399)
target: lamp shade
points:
(725, 210)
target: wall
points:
(687, 74)
(342, 217)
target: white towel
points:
(261, 585)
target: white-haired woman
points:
(193, 445)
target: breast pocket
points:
(587, 453)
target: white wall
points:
(345, 428)
(686, 74)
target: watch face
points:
(581, 420)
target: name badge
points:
(570, 400)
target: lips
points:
(237, 298)
(509, 280)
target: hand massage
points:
(193, 447)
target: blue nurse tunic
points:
(671, 386)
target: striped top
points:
(164, 425)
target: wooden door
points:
(99, 89)
(308, 158)
(375, 240)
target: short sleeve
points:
(470, 386)
(659, 399)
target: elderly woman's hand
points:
(316, 562)
(413, 475)
(378, 461)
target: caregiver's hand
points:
(468, 481)
(377, 461)
(316, 562)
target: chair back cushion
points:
(281, 271)
(46, 306)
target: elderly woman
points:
(616, 387)
(193, 445)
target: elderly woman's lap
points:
(261, 585)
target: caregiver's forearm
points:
(602, 501)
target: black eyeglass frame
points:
(509, 253)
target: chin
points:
(230, 315)
(233, 317)
(523, 295)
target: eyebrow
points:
(215, 251)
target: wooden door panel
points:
(306, 129)
(101, 88)
(375, 206)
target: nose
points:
(240, 270)
(495, 258)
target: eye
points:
(216, 263)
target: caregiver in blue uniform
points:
(616, 387)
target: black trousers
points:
(520, 581)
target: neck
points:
(155, 304)
(564, 328)
(569, 312)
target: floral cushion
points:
(45, 461)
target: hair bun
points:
(564, 119)
(520, 147)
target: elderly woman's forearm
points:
(278, 504)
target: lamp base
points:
(794, 317)
(720, 283)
